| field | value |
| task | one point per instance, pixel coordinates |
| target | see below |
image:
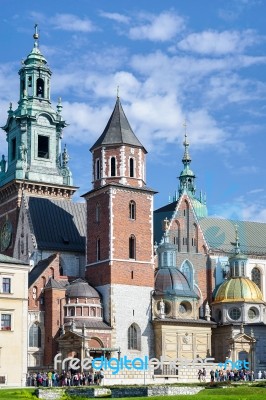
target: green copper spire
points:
(187, 176)
(34, 130)
(238, 260)
(187, 182)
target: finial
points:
(36, 35)
(186, 158)
(117, 92)
(166, 224)
(237, 244)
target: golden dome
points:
(238, 289)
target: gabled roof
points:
(53, 284)
(40, 268)
(117, 130)
(220, 234)
(58, 225)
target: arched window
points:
(98, 249)
(72, 311)
(236, 268)
(132, 247)
(256, 276)
(134, 335)
(131, 168)
(98, 211)
(35, 336)
(187, 270)
(113, 166)
(40, 87)
(194, 240)
(51, 272)
(97, 169)
(132, 209)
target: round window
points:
(252, 313)
(234, 313)
(184, 307)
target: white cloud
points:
(218, 43)
(71, 22)
(161, 28)
(115, 17)
(238, 209)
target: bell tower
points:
(35, 163)
(120, 234)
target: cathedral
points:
(109, 275)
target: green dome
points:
(238, 289)
(200, 208)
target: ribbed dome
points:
(80, 288)
(171, 281)
(238, 289)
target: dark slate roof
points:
(53, 284)
(80, 288)
(220, 233)
(158, 218)
(39, 268)
(117, 130)
(11, 260)
(172, 282)
(94, 324)
(58, 225)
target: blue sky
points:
(200, 61)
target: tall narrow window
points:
(98, 212)
(13, 149)
(132, 209)
(187, 270)
(98, 249)
(6, 285)
(98, 169)
(43, 146)
(35, 336)
(236, 268)
(134, 337)
(132, 247)
(30, 92)
(256, 276)
(40, 87)
(113, 166)
(131, 168)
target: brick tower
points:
(120, 235)
(35, 164)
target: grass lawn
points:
(230, 393)
(21, 394)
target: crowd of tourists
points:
(222, 375)
(66, 378)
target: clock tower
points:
(35, 163)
